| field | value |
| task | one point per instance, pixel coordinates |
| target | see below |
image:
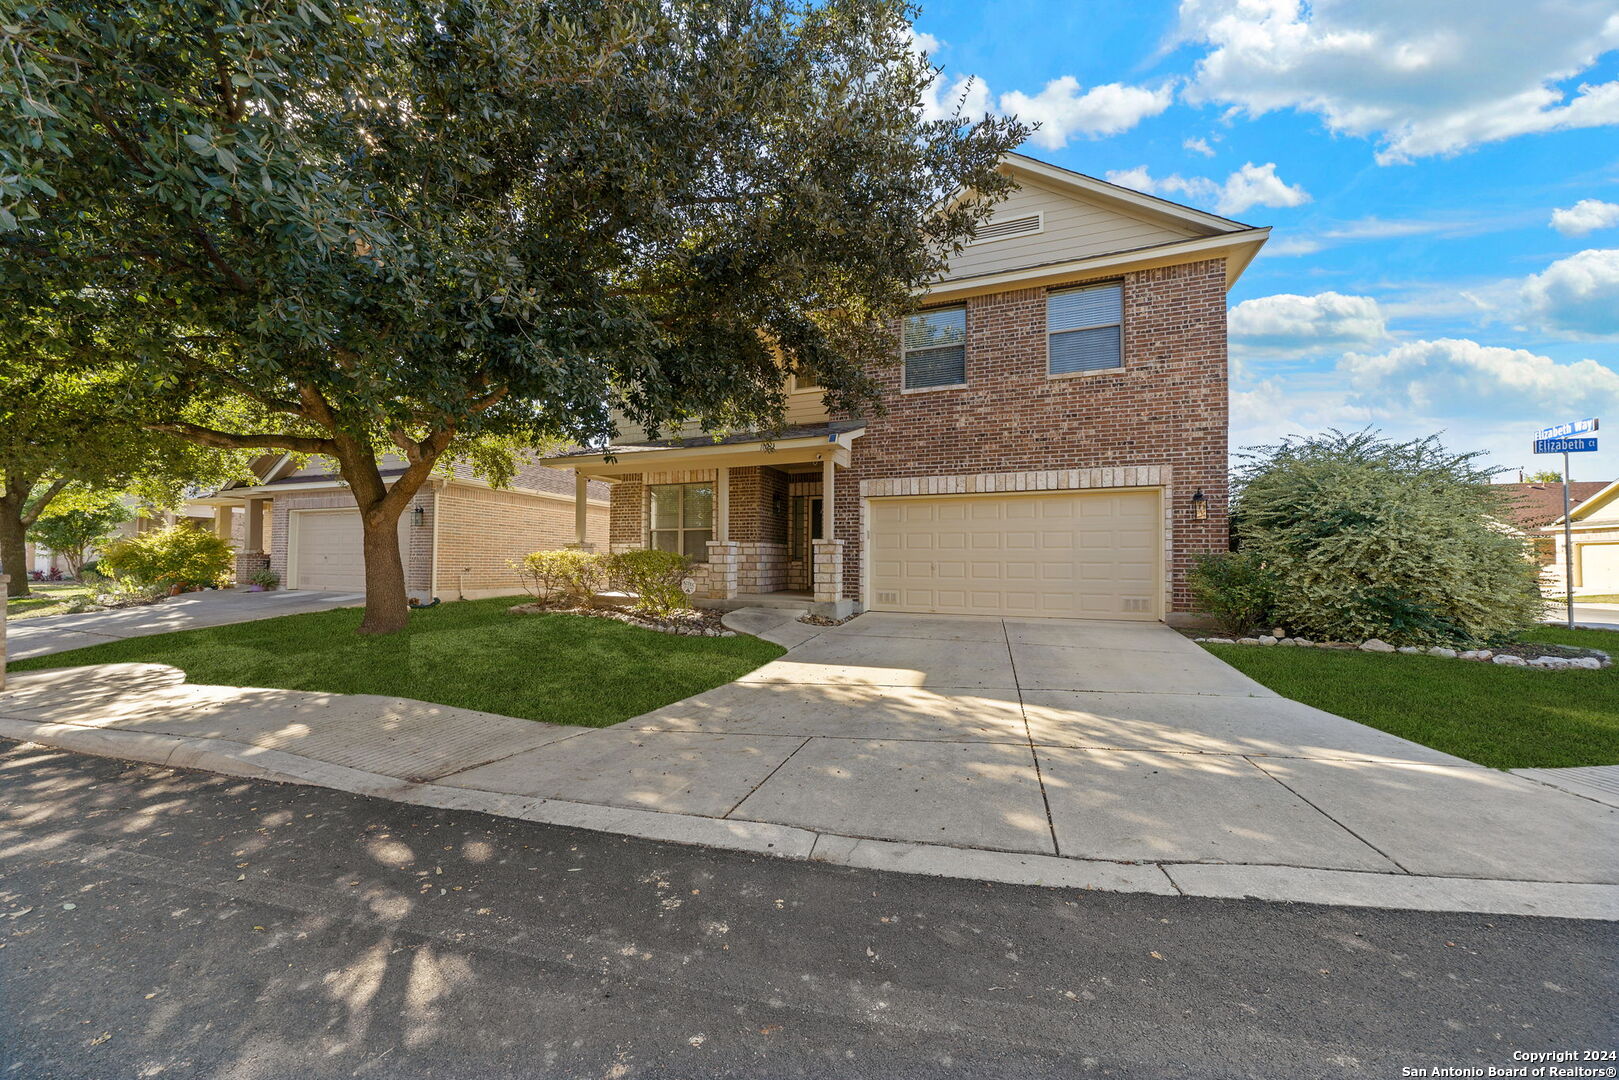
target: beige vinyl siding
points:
(1074, 229)
(803, 408)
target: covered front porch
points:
(754, 515)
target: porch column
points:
(722, 504)
(828, 569)
(581, 510)
(252, 557)
(222, 522)
(253, 535)
(828, 497)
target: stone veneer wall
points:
(1166, 406)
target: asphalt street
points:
(156, 923)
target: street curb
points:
(1350, 888)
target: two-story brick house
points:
(1053, 443)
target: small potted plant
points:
(263, 581)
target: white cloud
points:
(1424, 78)
(1587, 215)
(967, 93)
(1250, 186)
(1062, 111)
(1199, 146)
(1461, 379)
(1291, 321)
(1578, 296)
(1483, 397)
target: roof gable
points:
(1057, 218)
(1602, 506)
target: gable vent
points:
(1001, 230)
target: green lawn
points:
(566, 669)
(48, 598)
(1504, 717)
(1598, 598)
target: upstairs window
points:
(1085, 329)
(682, 518)
(935, 348)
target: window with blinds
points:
(935, 348)
(1085, 329)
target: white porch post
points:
(222, 522)
(581, 508)
(722, 504)
(828, 469)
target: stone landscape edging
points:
(1573, 900)
(1376, 645)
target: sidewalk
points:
(1056, 752)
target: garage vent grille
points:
(1135, 603)
(888, 597)
(1001, 230)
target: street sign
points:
(1565, 446)
(1561, 431)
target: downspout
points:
(432, 572)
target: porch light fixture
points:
(1200, 505)
(418, 517)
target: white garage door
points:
(327, 552)
(1061, 555)
(1599, 567)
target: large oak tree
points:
(442, 226)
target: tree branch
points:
(224, 440)
(37, 505)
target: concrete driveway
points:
(1098, 740)
(188, 611)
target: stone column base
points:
(828, 575)
(724, 559)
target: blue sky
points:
(1442, 177)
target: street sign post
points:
(1558, 439)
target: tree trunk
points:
(387, 606)
(13, 549)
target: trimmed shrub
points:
(570, 576)
(1364, 537)
(653, 576)
(265, 579)
(178, 555)
(1235, 589)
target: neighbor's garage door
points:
(1061, 555)
(1599, 567)
(326, 550)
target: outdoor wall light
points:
(418, 517)
(1200, 506)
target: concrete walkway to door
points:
(1073, 753)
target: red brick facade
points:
(1166, 406)
(1164, 410)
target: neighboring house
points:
(1054, 440)
(1534, 506)
(457, 537)
(1595, 526)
